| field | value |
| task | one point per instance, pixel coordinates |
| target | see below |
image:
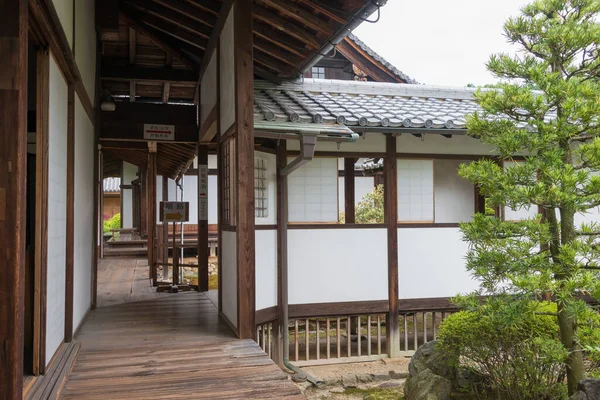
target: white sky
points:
(441, 42)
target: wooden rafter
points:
(132, 46)
(111, 70)
(301, 15)
(185, 8)
(157, 39)
(327, 10)
(285, 26)
(274, 36)
(276, 52)
(173, 30)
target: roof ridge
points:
(382, 60)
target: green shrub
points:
(112, 223)
(513, 348)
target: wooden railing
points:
(351, 338)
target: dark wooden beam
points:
(173, 30)
(203, 218)
(166, 92)
(349, 190)
(128, 119)
(219, 189)
(132, 91)
(335, 15)
(159, 40)
(244, 184)
(151, 212)
(107, 15)
(366, 62)
(274, 36)
(132, 46)
(70, 231)
(13, 183)
(213, 42)
(391, 220)
(187, 9)
(172, 17)
(111, 70)
(304, 17)
(278, 334)
(285, 26)
(165, 227)
(276, 52)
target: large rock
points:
(431, 373)
(588, 389)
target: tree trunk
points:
(575, 367)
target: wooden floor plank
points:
(141, 344)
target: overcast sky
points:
(441, 42)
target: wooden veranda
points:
(164, 347)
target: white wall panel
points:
(454, 196)
(229, 275)
(84, 214)
(313, 191)
(226, 74)
(431, 263)
(129, 175)
(415, 190)
(266, 269)
(333, 265)
(271, 217)
(208, 89)
(64, 9)
(57, 203)
(85, 44)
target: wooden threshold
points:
(49, 386)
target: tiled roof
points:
(380, 59)
(364, 104)
(112, 185)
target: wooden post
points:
(349, 191)
(143, 203)
(391, 219)
(13, 183)
(278, 333)
(244, 128)
(151, 211)
(202, 218)
(175, 258)
(165, 230)
(70, 236)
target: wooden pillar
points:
(390, 167)
(101, 200)
(349, 191)
(13, 170)
(278, 333)
(202, 218)
(244, 185)
(151, 211)
(165, 231)
(70, 234)
(143, 203)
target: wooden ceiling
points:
(155, 48)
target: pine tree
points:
(556, 128)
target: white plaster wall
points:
(129, 175)
(271, 217)
(226, 74)
(208, 89)
(521, 213)
(407, 143)
(85, 44)
(362, 185)
(415, 190)
(431, 263)
(57, 203)
(84, 214)
(333, 265)
(229, 275)
(64, 9)
(212, 161)
(313, 191)
(266, 269)
(454, 196)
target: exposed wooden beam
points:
(276, 52)
(282, 237)
(203, 218)
(275, 36)
(349, 190)
(169, 15)
(151, 210)
(191, 11)
(335, 15)
(286, 26)
(211, 6)
(174, 31)
(301, 15)
(132, 91)
(13, 184)
(391, 219)
(366, 63)
(214, 38)
(132, 45)
(70, 217)
(114, 72)
(266, 60)
(166, 91)
(244, 183)
(157, 39)
(107, 15)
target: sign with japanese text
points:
(203, 192)
(174, 211)
(159, 132)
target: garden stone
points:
(430, 374)
(588, 389)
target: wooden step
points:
(49, 386)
